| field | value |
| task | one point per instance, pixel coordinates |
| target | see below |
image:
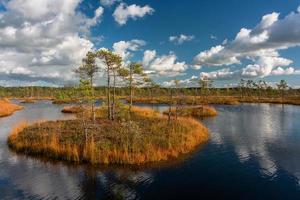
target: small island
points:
(28, 100)
(138, 137)
(72, 109)
(7, 108)
(193, 111)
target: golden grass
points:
(287, 100)
(149, 137)
(72, 109)
(145, 112)
(193, 111)
(7, 108)
(29, 100)
(226, 100)
(190, 100)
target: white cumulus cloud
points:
(189, 82)
(125, 48)
(287, 71)
(149, 55)
(163, 65)
(43, 41)
(124, 12)
(181, 38)
(259, 45)
(109, 3)
(218, 74)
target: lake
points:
(253, 153)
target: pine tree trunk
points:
(114, 96)
(170, 107)
(177, 100)
(130, 88)
(151, 93)
(108, 95)
(282, 94)
(195, 94)
(93, 100)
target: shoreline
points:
(188, 100)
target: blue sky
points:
(148, 27)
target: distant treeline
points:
(72, 92)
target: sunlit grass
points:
(7, 108)
(191, 100)
(148, 137)
(193, 111)
(286, 100)
(28, 100)
(72, 109)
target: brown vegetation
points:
(28, 100)
(290, 100)
(63, 101)
(72, 109)
(7, 108)
(225, 100)
(148, 137)
(193, 111)
(190, 100)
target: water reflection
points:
(119, 184)
(253, 148)
(257, 131)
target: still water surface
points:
(253, 153)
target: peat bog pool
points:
(253, 153)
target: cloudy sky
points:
(41, 42)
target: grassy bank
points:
(290, 100)
(7, 108)
(64, 101)
(226, 100)
(29, 100)
(193, 111)
(72, 109)
(148, 137)
(189, 100)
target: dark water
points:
(253, 153)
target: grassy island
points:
(28, 101)
(193, 111)
(147, 137)
(72, 109)
(7, 108)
